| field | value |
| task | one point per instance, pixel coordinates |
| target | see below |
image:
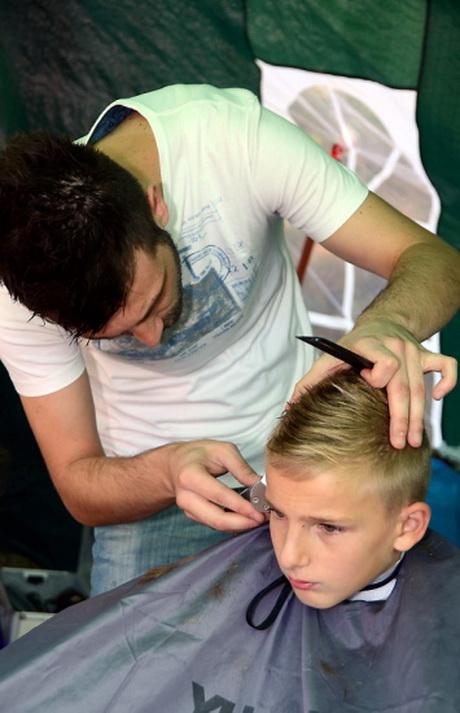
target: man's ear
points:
(412, 525)
(158, 205)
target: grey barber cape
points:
(224, 633)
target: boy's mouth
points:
(300, 584)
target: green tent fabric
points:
(410, 45)
(367, 39)
(62, 63)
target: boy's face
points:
(330, 539)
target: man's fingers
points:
(399, 406)
(201, 492)
(240, 516)
(407, 392)
(417, 394)
(196, 466)
(402, 373)
(447, 367)
(213, 457)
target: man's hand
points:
(399, 365)
(421, 296)
(193, 470)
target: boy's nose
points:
(296, 550)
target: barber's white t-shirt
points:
(231, 172)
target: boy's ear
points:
(412, 525)
(158, 205)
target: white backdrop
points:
(370, 128)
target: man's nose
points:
(149, 333)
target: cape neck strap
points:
(286, 590)
(271, 616)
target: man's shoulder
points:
(175, 96)
(180, 101)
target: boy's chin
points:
(317, 601)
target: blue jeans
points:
(123, 552)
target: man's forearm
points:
(103, 490)
(423, 293)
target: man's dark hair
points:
(71, 219)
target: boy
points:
(344, 504)
(374, 625)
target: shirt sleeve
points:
(296, 178)
(40, 357)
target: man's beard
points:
(176, 310)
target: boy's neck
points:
(382, 586)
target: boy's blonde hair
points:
(342, 423)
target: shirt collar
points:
(380, 589)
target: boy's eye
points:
(330, 529)
(271, 511)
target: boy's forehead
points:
(342, 491)
(354, 474)
(292, 470)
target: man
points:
(119, 389)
